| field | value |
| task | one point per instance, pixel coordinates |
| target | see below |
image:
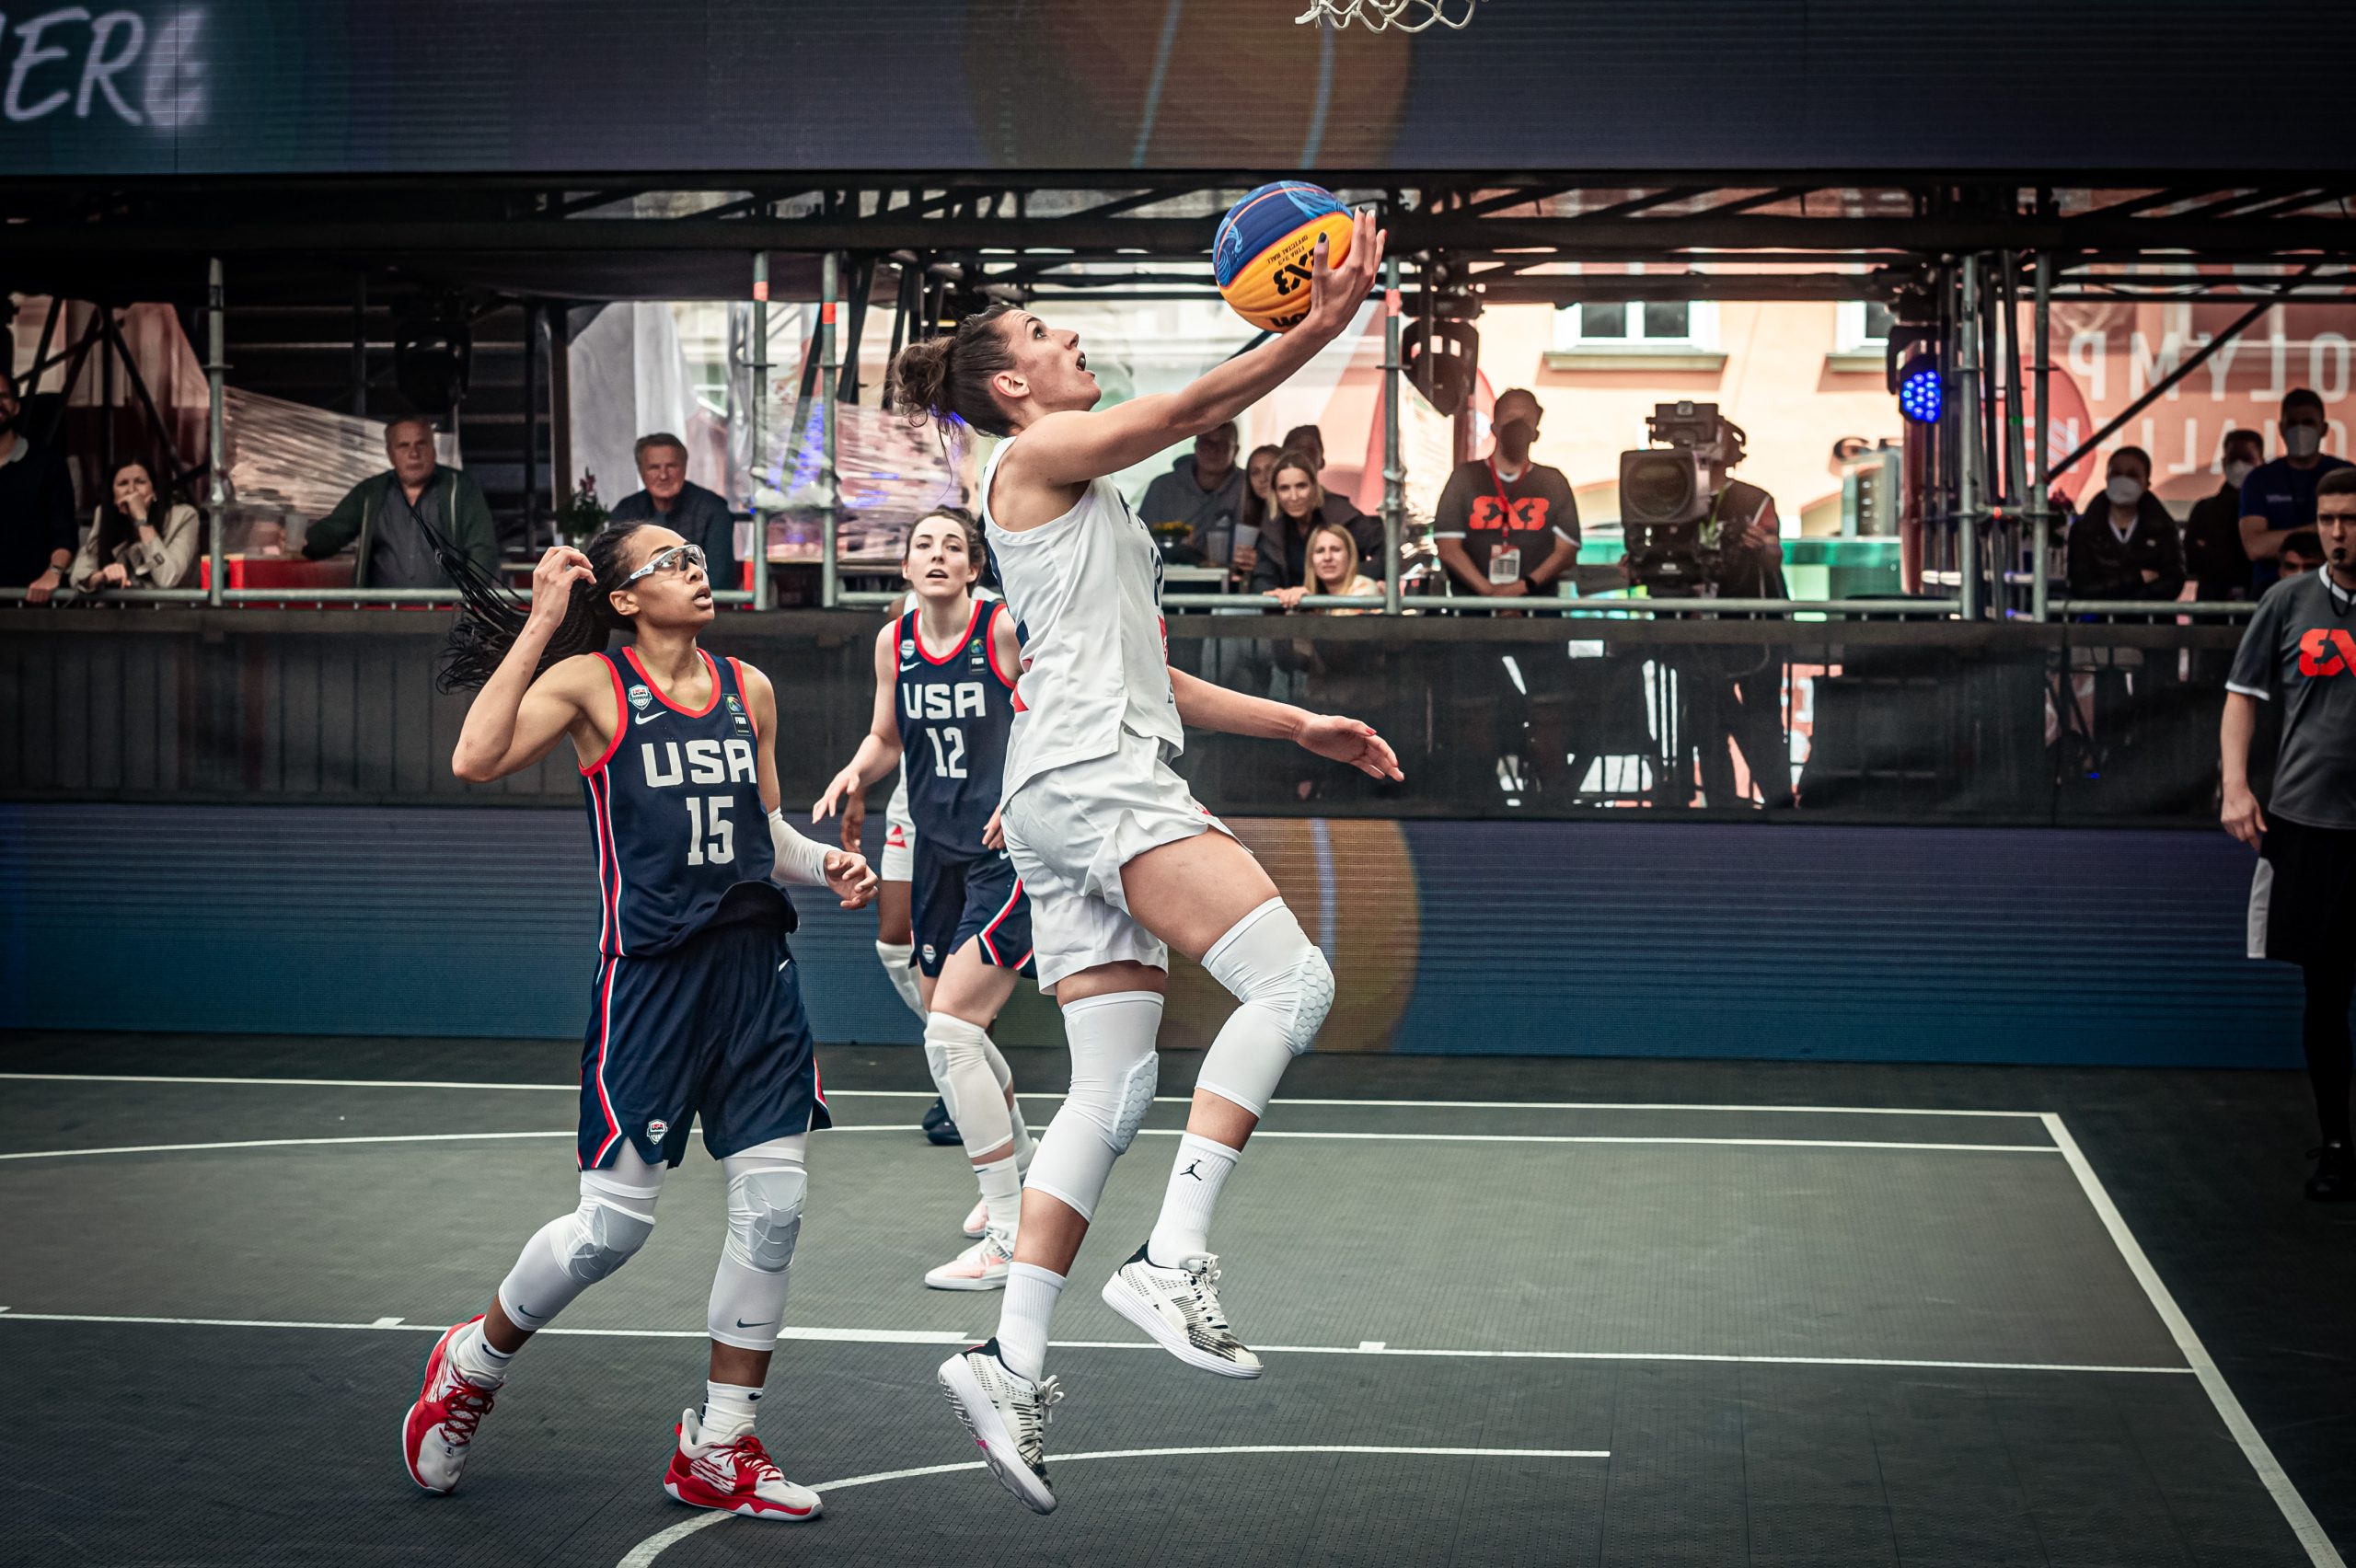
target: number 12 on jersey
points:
(948, 763)
(710, 835)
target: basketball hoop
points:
(1407, 16)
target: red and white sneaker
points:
(735, 1477)
(440, 1426)
(977, 1224)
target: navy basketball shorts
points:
(956, 898)
(713, 1028)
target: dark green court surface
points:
(1513, 1312)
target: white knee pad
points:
(1285, 988)
(574, 1252)
(748, 1289)
(1114, 1071)
(958, 1054)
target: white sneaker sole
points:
(964, 1395)
(1122, 1302)
(747, 1511)
(959, 1282)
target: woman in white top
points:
(1116, 854)
(136, 540)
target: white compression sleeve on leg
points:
(1005, 1076)
(801, 861)
(953, 1049)
(574, 1252)
(898, 960)
(766, 1192)
(1112, 1085)
(1285, 988)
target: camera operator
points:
(1732, 693)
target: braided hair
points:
(492, 615)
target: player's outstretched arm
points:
(1071, 448)
(879, 749)
(515, 720)
(795, 858)
(1209, 706)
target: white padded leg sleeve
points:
(1023, 1146)
(1112, 1085)
(898, 960)
(1285, 988)
(959, 1056)
(766, 1194)
(572, 1252)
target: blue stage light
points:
(1922, 393)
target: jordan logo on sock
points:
(1193, 1169)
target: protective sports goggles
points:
(680, 556)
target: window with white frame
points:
(1861, 326)
(1637, 325)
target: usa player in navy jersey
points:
(695, 1009)
(945, 676)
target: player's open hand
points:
(1336, 293)
(848, 874)
(552, 581)
(845, 783)
(1346, 740)
(2241, 816)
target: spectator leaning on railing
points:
(2124, 545)
(389, 514)
(695, 514)
(35, 505)
(1507, 527)
(1204, 490)
(139, 538)
(1332, 570)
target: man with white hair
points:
(392, 517)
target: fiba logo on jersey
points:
(736, 715)
(640, 698)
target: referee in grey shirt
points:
(2300, 651)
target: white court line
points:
(1142, 1132)
(1159, 1100)
(951, 1337)
(646, 1552)
(2295, 1510)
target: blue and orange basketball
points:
(1265, 247)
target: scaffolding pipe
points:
(2017, 480)
(216, 487)
(759, 366)
(2041, 483)
(1967, 415)
(1395, 476)
(829, 481)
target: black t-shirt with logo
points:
(1528, 512)
(2301, 646)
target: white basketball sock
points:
(1031, 1293)
(727, 1411)
(471, 1355)
(1003, 1191)
(1196, 1176)
(898, 960)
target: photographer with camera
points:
(1693, 530)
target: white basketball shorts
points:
(899, 837)
(1070, 830)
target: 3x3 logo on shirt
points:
(2327, 650)
(1524, 513)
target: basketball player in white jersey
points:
(1120, 861)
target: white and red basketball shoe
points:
(978, 1222)
(735, 1477)
(982, 1266)
(440, 1426)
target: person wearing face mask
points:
(2124, 545)
(36, 529)
(2278, 498)
(2214, 557)
(139, 539)
(1507, 527)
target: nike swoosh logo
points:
(764, 1323)
(646, 718)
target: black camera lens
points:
(1656, 486)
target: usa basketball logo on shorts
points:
(640, 698)
(655, 1129)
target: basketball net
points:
(1407, 16)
